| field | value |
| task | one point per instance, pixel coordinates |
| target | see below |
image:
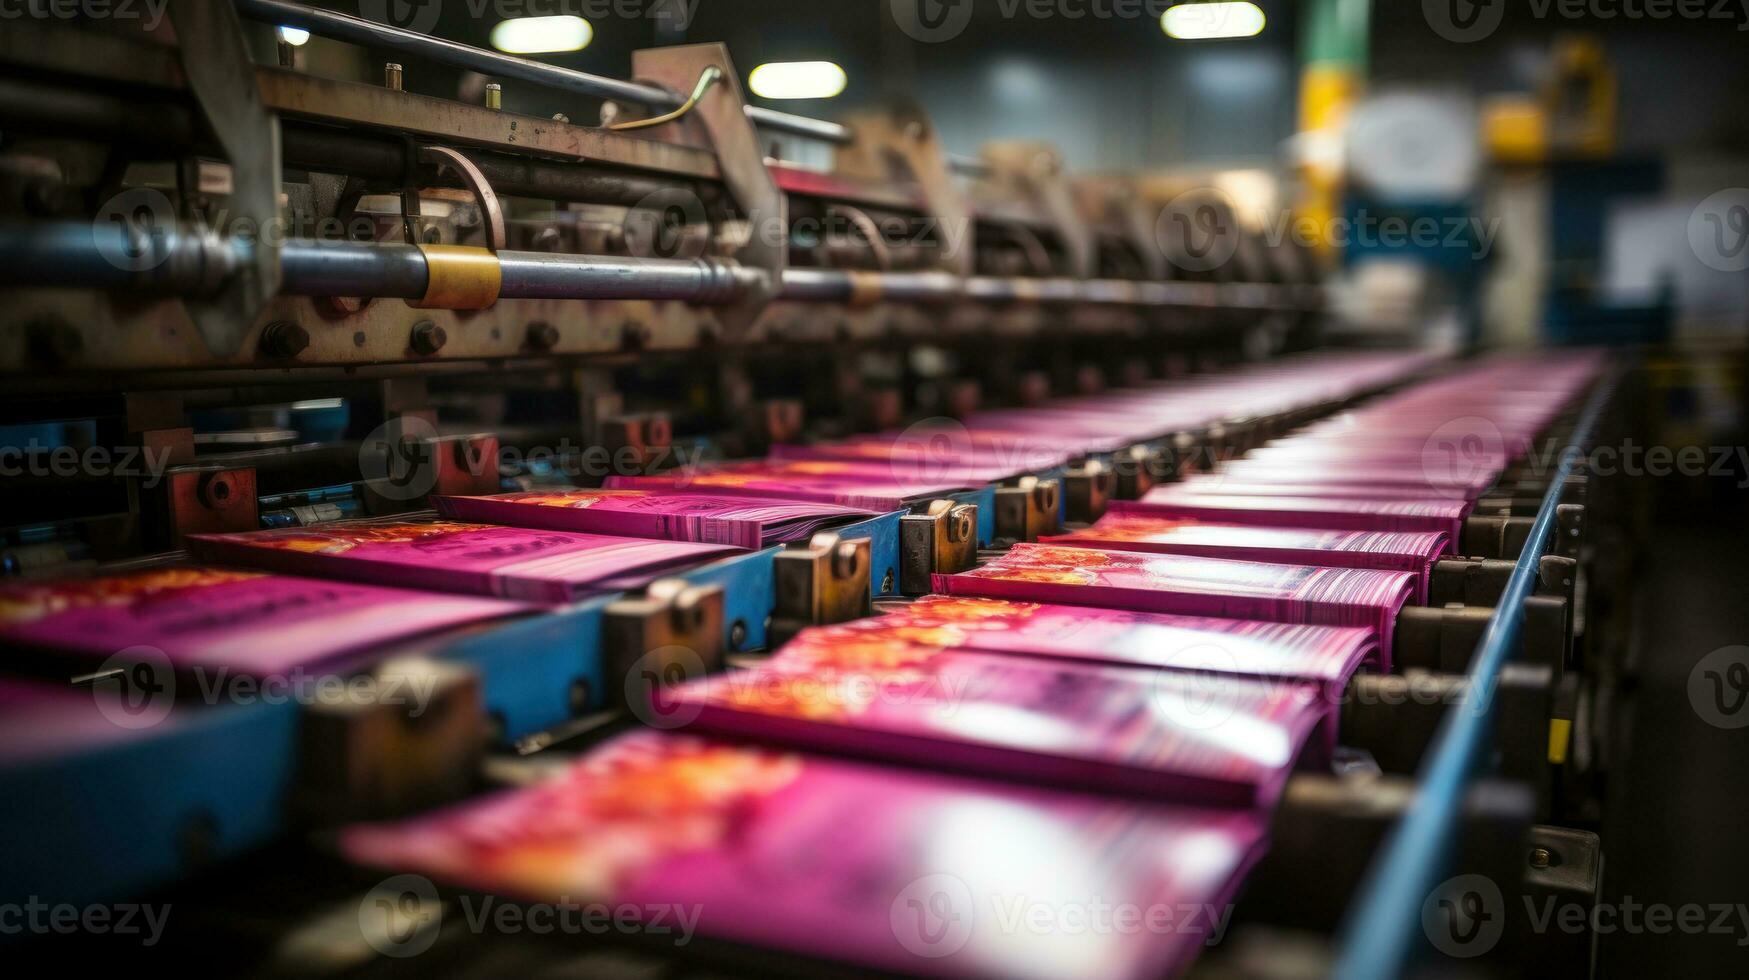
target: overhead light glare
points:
(294, 36)
(1209, 21)
(542, 35)
(797, 80)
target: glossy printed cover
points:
(1118, 637)
(1212, 740)
(890, 471)
(872, 866)
(1403, 551)
(1468, 481)
(951, 449)
(677, 516)
(1228, 484)
(207, 618)
(868, 486)
(480, 559)
(1339, 513)
(1192, 586)
(1438, 462)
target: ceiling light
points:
(1206, 21)
(542, 35)
(797, 80)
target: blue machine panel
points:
(883, 549)
(543, 670)
(115, 818)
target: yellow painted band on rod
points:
(459, 277)
(865, 288)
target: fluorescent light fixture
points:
(294, 36)
(542, 35)
(797, 80)
(1206, 21)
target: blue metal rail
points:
(1379, 937)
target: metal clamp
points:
(1088, 490)
(1028, 510)
(1396, 716)
(1569, 530)
(1140, 468)
(941, 537)
(1481, 582)
(1445, 638)
(376, 757)
(823, 581)
(1563, 868)
(645, 435)
(209, 500)
(780, 420)
(670, 634)
(467, 464)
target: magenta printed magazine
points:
(675, 516)
(479, 559)
(870, 866)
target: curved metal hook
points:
(491, 214)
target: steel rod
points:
(369, 33)
(540, 275)
(113, 255)
(785, 122)
(840, 286)
(375, 270)
(183, 261)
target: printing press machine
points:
(321, 301)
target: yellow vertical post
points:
(1332, 78)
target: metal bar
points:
(323, 148)
(187, 262)
(352, 269)
(540, 275)
(817, 285)
(840, 286)
(59, 109)
(921, 287)
(1015, 289)
(968, 166)
(785, 122)
(327, 150)
(1378, 936)
(112, 255)
(179, 261)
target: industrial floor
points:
(1678, 826)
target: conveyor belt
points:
(1132, 669)
(1382, 926)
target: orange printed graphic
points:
(589, 831)
(28, 603)
(571, 498)
(343, 539)
(873, 649)
(1115, 527)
